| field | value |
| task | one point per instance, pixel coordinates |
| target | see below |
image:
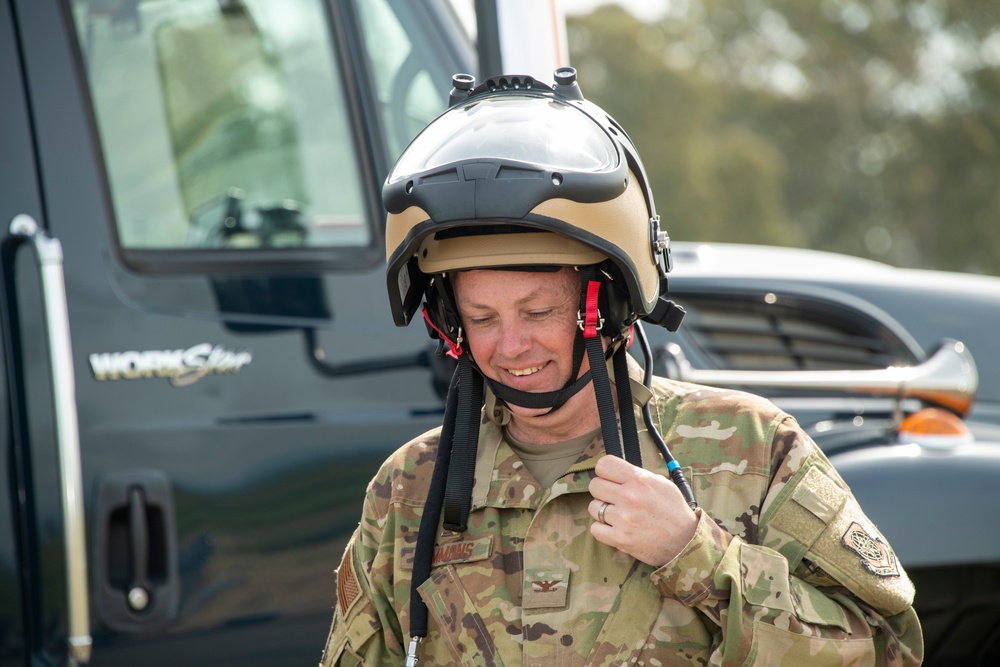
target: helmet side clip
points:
(659, 241)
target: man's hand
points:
(646, 516)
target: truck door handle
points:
(139, 587)
(48, 252)
(136, 548)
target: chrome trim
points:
(411, 652)
(50, 262)
(947, 378)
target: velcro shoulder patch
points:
(355, 621)
(826, 519)
(348, 588)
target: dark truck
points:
(200, 371)
(200, 374)
(896, 375)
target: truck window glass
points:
(407, 71)
(223, 124)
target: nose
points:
(512, 339)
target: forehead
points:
(495, 287)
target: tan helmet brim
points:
(529, 249)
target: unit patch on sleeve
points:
(876, 557)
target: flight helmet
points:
(517, 173)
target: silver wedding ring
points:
(600, 513)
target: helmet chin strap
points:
(538, 399)
(545, 399)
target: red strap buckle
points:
(454, 347)
(593, 322)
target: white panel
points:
(532, 37)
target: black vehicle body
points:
(803, 313)
(237, 384)
(231, 406)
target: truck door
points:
(211, 169)
(18, 192)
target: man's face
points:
(520, 325)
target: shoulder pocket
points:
(829, 524)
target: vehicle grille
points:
(769, 332)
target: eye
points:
(540, 314)
(479, 321)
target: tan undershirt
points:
(548, 462)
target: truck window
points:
(407, 82)
(223, 125)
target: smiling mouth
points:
(521, 372)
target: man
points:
(542, 525)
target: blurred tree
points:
(866, 128)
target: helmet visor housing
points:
(539, 133)
(522, 176)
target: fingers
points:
(612, 474)
(619, 482)
(638, 512)
(600, 511)
(619, 493)
(615, 469)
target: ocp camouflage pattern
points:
(767, 579)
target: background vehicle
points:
(814, 321)
(210, 169)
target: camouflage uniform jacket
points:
(783, 569)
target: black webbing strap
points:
(538, 399)
(578, 350)
(423, 553)
(626, 411)
(462, 469)
(591, 323)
